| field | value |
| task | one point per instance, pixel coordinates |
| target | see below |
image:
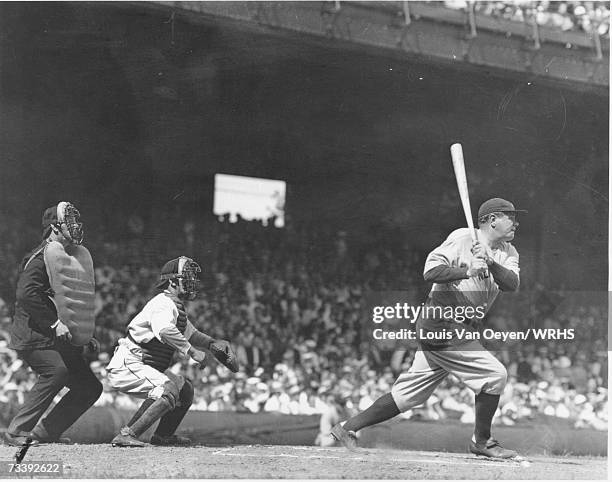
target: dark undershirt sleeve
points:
(445, 274)
(506, 279)
(201, 339)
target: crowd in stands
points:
(561, 15)
(293, 303)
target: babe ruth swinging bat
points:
(459, 166)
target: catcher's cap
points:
(497, 205)
(168, 270)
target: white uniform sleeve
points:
(161, 318)
(163, 326)
(445, 254)
(189, 330)
(512, 261)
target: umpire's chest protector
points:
(71, 275)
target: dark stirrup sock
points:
(485, 407)
(382, 409)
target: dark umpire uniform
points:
(57, 363)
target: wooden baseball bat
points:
(459, 166)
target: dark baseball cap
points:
(497, 205)
(49, 217)
(168, 271)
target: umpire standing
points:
(44, 339)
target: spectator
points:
(299, 326)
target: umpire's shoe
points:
(492, 449)
(41, 435)
(126, 438)
(19, 440)
(345, 437)
(169, 440)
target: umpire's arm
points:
(32, 294)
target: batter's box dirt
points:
(297, 462)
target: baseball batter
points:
(464, 274)
(140, 364)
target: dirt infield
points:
(291, 462)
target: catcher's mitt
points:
(223, 352)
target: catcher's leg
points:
(164, 434)
(148, 413)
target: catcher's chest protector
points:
(157, 354)
(71, 276)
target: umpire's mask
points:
(69, 221)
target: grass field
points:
(293, 462)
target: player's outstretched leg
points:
(382, 409)
(482, 443)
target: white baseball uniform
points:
(126, 371)
(467, 359)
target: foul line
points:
(434, 460)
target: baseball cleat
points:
(126, 438)
(169, 440)
(345, 437)
(492, 449)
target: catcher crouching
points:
(140, 365)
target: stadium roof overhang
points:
(424, 30)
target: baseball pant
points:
(58, 367)
(128, 374)
(473, 365)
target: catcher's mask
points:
(185, 270)
(66, 218)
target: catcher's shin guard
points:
(147, 414)
(155, 410)
(142, 409)
(171, 420)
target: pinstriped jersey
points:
(455, 252)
